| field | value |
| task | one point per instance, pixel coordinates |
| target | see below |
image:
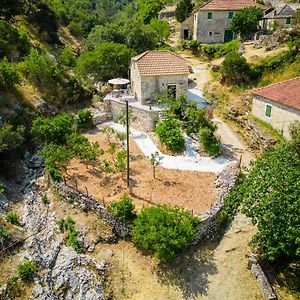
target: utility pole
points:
(127, 135)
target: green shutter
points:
(268, 110)
(209, 15)
(288, 21)
(230, 15)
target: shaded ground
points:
(193, 190)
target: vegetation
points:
(9, 75)
(123, 209)
(170, 135)
(272, 184)
(164, 230)
(245, 21)
(183, 9)
(155, 161)
(3, 235)
(209, 143)
(106, 61)
(68, 225)
(10, 138)
(85, 119)
(13, 218)
(27, 270)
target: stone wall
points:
(224, 183)
(143, 120)
(281, 116)
(188, 25)
(88, 203)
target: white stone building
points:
(153, 72)
(210, 23)
(279, 17)
(278, 104)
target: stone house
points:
(167, 12)
(279, 17)
(210, 22)
(153, 72)
(278, 104)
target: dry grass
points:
(193, 190)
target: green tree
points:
(155, 161)
(10, 139)
(235, 69)
(40, 69)
(183, 9)
(269, 195)
(164, 230)
(100, 34)
(208, 142)
(53, 130)
(149, 9)
(245, 21)
(68, 58)
(9, 75)
(161, 27)
(106, 61)
(140, 37)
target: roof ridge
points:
(276, 83)
(139, 56)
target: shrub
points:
(53, 130)
(195, 46)
(9, 75)
(209, 143)
(85, 119)
(120, 163)
(13, 218)
(164, 230)
(10, 138)
(170, 135)
(76, 29)
(68, 58)
(45, 199)
(3, 234)
(27, 270)
(123, 209)
(235, 69)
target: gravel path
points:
(190, 161)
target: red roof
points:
(231, 5)
(285, 92)
(154, 63)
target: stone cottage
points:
(278, 104)
(153, 72)
(279, 17)
(210, 22)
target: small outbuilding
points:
(278, 104)
(153, 72)
(279, 17)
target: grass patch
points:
(267, 128)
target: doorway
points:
(186, 34)
(228, 36)
(171, 88)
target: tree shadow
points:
(189, 272)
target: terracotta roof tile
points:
(285, 92)
(229, 5)
(153, 63)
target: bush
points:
(68, 58)
(45, 199)
(123, 209)
(9, 75)
(53, 130)
(195, 46)
(235, 69)
(27, 270)
(170, 135)
(208, 142)
(85, 119)
(3, 234)
(10, 138)
(164, 230)
(13, 218)
(76, 29)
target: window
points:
(268, 111)
(230, 15)
(288, 21)
(209, 15)
(210, 33)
